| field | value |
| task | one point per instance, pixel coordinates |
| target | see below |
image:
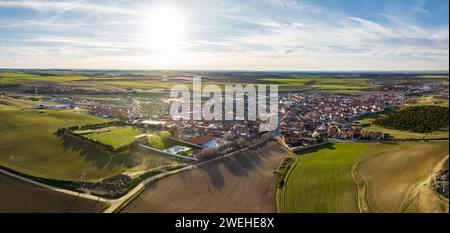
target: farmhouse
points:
(202, 138)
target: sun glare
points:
(164, 30)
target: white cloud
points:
(331, 41)
(294, 5)
(85, 6)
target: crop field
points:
(135, 84)
(322, 83)
(434, 76)
(116, 137)
(17, 77)
(23, 197)
(431, 100)
(243, 182)
(28, 144)
(392, 170)
(322, 182)
(162, 83)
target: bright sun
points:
(164, 29)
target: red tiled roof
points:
(202, 139)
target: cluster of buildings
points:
(209, 134)
(423, 87)
(102, 108)
(308, 119)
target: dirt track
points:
(241, 183)
(20, 196)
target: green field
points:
(345, 85)
(433, 76)
(134, 84)
(322, 83)
(29, 145)
(117, 137)
(344, 177)
(431, 100)
(321, 181)
(18, 77)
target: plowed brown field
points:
(243, 182)
(393, 170)
(20, 196)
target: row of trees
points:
(71, 131)
(85, 127)
(283, 169)
(421, 119)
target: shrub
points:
(156, 141)
(165, 135)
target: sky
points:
(300, 35)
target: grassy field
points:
(322, 83)
(29, 146)
(431, 100)
(322, 182)
(116, 137)
(136, 84)
(18, 77)
(348, 85)
(392, 170)
(433, 76)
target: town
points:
(306, 119)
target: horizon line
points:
(234, 70)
